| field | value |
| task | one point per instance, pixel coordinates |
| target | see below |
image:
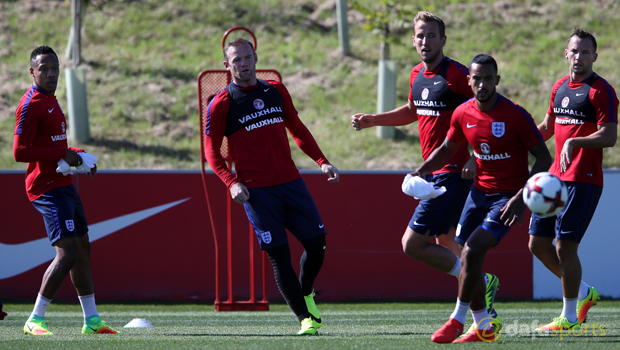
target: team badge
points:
(70, 225)
(266, 237)
(498, 129)
(259, 104)
(62, 125)
(565, 102)
(484, 147)
(425, 93)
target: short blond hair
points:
(425, 16)
(236, 42)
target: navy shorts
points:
(572, 222)
(483, 211)
(274, 209)
(441, 213)
(63, 213)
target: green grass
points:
(143, 57)
(346, 326)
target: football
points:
(545, 194)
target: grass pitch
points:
(346, 326)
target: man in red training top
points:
(41, 141)
(254, 115)
(438, 85)
(501, 134)
(583, 115)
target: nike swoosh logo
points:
(437, 82)
(321, 226)
(417, 223)
(579, 94)
(266, 90)
(489, 220)
(50, 110)
(470, 126)
(16, 259)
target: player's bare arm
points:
(400, 116)
(605, 136)
(513, 210)
(440, 157)
(333, 174)
(239, 193)
(547, 127)
(469, 169)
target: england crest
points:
(565, 101)
(259, 104)
(266, 237)
(425, 93)
(70, 225)
(498, 129)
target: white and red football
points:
(545, 194)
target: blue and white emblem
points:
(266, 237)
(425, 93)
(498, 129)
(259, 104)
(70, 225)
(565, 102)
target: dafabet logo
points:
(516, 328)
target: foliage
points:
(386, 14)
(143, 58)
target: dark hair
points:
(429, 17)
(41, 50)
(236, 42)
(582, 34)
(484, 59)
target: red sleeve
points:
(603, 98)
(455, 133)
(215, 127)
(553, 92)
(414, 74)
(529, 136)
(457, 79)
(25, 132)
(300, 133)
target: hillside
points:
(143, 58)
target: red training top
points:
(436, 94)
(578, 109)
(41, 141)
(255, 120)
(501, 138)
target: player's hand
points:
(415, 173)
(512, 212)
(469, 169)
(565, 156)
(361, 121)
(239, 193)
(419, 172)
(92, 172)
(333, 174)
(72, 158)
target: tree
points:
(386, 13)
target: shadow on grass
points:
(332, 334)
(156, 150)
(401, 136)
(186, 75)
